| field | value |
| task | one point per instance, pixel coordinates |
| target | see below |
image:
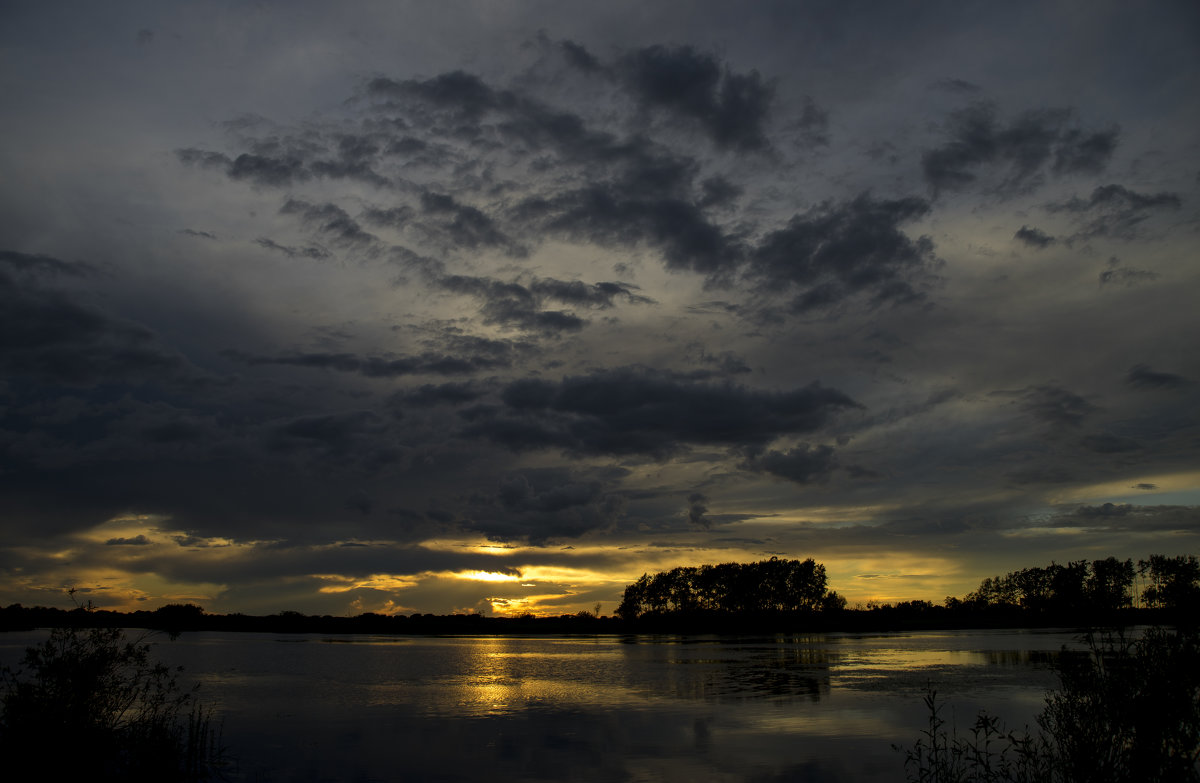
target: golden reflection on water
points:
(497, 675)
(842, 723)
(493, 676)
(896, 660)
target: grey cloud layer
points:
(820, 289)
(438, 144)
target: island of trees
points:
(769, 586)
(774, 595)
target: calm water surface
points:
(822, 708)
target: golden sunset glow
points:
(488, 576)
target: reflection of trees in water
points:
(785, 671)
(1041, 659)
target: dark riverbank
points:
(188, 617)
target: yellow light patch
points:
(487, 576)
(894, 578)
(344, 584)
(1171, 482)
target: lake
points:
(816, 708)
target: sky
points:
(493, 307)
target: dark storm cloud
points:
(578, 56)
(512, 304)
(257, 169)
(48, 335)
(1129, 517)
(1034, 237)
(261, 563)
(619, 216)
(1054, 405)
(428, 363)
(42, 265)
(281, 163)
(467, 226)
(263, 170)
(802, 464)
(957, 85)
(203, 158)
(394, 217)
(175, 431)
(430, 395)
(1142, 376)
(1124, 276)
(636, 411)
(580, 294)
(1115, 211)
(189, 232)
(495, 349)
(696, 510)
(724, 365)
(311, 251)
(618, 192)
(333, 433)
(637, 192)
(812, 125)
(138, 540)
(838, 251)
(1107, 443)
(539, 505)
(732, 108)
(454, 104)
(1017, 155)
(719, 192)
(349, 169)
(518, 305)
(468, 96)
(330, 220)
(1039, 475)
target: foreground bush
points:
(1127, 710)
(87, 704)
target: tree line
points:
(1108, 585)
(1078, 591)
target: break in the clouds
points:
(467, 310)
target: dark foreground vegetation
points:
(770, 596)
(89, 704)
(1128, 709)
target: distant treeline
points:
(776, 596)
(792, 594)
(1099, 586)
(174, 618)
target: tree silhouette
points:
(768, 586)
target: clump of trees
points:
(1101, 586)
(1171, 582)
(768, 586)
(88, 704)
